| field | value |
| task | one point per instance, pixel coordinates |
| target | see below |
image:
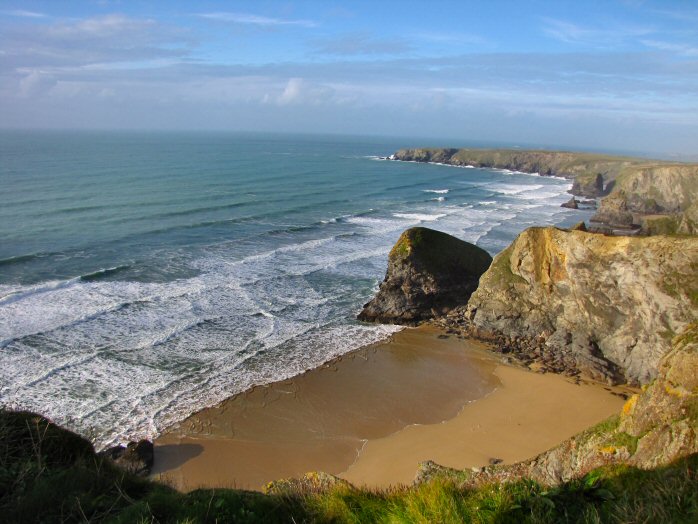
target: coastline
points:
(370, 416)
(468, 166)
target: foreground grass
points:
(50, 475)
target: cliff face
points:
(665, 192)
(428, 274)
(583, 302)
(654, 428)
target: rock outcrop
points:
(429, 273)
(572, 203)
(614, 211)
(658, 197)
(580, 302)
(588, 185)
(136, 457)
(655, 427)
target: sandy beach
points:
(372, 415)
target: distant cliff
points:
(605, 306)
(590, 171)
(662, 198)
(650, 196)
(429, 273)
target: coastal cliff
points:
(648, 196)
(582, 302)
(429, 273)
(566, 301)
(590, 171)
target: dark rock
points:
(429, 273)
(494, 461)
(614, 211)
(588, 185)
(571, 204)
(136, 457)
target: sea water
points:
(146, 276)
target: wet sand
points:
(372, 415)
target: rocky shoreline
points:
(564, 301)
(638, 196)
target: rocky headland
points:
(580, 302)
(565, 301)
(641, 196)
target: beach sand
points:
(372, 415)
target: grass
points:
(51, 475)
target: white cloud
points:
(252, 19)
(681, 49)
(106, 39)
(572, 33)
(35, 83)
(23, 14)
(299, 91)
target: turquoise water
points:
(145, 276)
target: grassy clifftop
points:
(49, 479)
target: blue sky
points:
(611, 75)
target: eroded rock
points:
(582, 302)
(429, 273)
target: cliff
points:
(655, 428)
(583, 302)
(590, 170)
(651, 194)
(428, 274)
(664, 192)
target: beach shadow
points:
(172, 456)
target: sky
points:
(599, 75)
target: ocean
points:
(144, 276)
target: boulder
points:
(136, 457)
(571, 204)
(429, 273)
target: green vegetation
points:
(660, 225)
(500, 270)
(676, 284)
(51, 475)
(439, 252)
